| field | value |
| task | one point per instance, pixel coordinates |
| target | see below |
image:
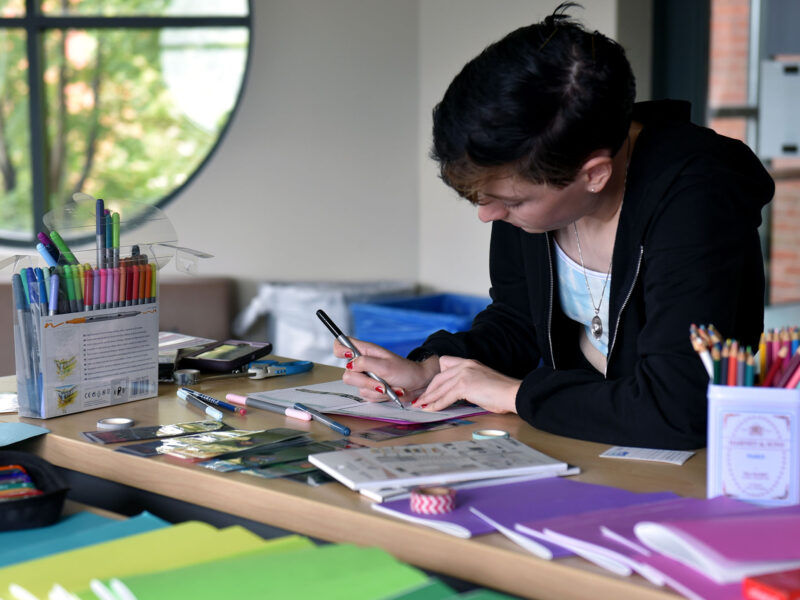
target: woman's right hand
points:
(407, 378)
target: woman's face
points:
(534, 208)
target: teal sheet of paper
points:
(334, 572)
(11, 540)
(73, 535)
(11, 433)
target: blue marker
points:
(33, 287)
(318, 416)
(100, 230)
(48, 258)
(53, 294)
(21, 305)
(42, 289)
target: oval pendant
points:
(597, 327)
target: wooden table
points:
(333, 512)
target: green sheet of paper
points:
(177, 546)
(340, 571)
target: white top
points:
(575, 300)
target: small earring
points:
(591, 190)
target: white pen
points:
(206, 408)
(344, 340)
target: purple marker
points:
(96, 289)
(48, 243)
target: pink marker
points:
(122, 285)
(115, 287)
(109, 287)
(256, 403)
(103, 285)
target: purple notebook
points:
(511, 503)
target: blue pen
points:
(100, 231)
(212, 412)
(21, 306)
(48, 258)
(53, 294)
(184, 391)
(318, 416)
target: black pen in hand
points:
(345, 341)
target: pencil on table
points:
(775, 368)
(702, 351)
(715, 335)
(741, 365)
(733, 359)
(724, 362)
(787, 371)
(716, 360)
(750, 367)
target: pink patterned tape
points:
(437, 500)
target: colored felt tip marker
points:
(318, 416)
(184, 391)
(69, 257)
(345, 341)
(100, 232)
(276, 408)
(54, 284)
(212, 412)
(45, 254)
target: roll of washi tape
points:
(434, 500)
(186, 376)
(489, 434)
(115, 423)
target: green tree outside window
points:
(133, 97)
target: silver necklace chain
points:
(597, 322)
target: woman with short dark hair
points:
(615, 226)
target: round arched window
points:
(119, 99)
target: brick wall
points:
(730, 22)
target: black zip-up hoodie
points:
(687, 251)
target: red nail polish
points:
(399, 393)
(348, 354)
(349, 365)
(379, 389)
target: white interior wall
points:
(323, 173)
(453, 243)
(316, 177)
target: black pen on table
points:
(345, 341)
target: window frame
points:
(35, 24)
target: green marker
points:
(62, 247)
(69, 275)
(24, 276)
(115, 237)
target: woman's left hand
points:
(465, 379)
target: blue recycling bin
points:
(402, 324)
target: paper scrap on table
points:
(673, 457)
